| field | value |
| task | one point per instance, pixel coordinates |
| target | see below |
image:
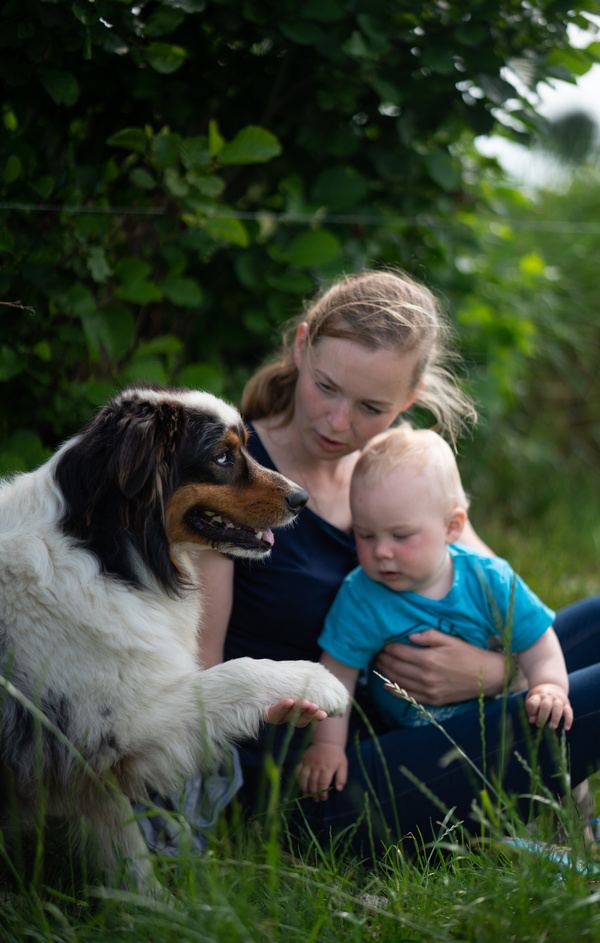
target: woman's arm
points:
(214, 572)
(471, 539)
(442, 669)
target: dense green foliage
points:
(176, 174)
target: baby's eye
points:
(372, 410)
(324, 386)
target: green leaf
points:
(256, 322)
(496, 89)
(98, 264)
(12, 169)
(132, 139)
(142, 178)
(251, 145)
(165, 149)
(176, 186)
(166, 344)
(98, 392)
(207, 185)
(117, 330)
(471, 34)
(132, 269)
(165, 58)
(62, 87)
(79, 300)
(216, 142)
(339, 188)
(312, 248)
(195, 154)
(43, 186)
(43, 350)
(442, 169)
(142, 370)
(11, 363)
(292, 283)
(231, 230)
(140, 293)
(577, 61)
(184, 292)
(201, 376)
(22, 451)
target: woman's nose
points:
(339, 416)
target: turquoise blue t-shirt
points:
(366, 615)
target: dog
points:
(103, 697)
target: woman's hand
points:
(300, 713)
(441, 669)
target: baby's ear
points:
(456, 524)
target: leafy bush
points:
(176, 174)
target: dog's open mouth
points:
(222, 531)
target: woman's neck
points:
(326, 481)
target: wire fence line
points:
(339, 219)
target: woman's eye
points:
(372, 409)
(224, 459)
(325, 387)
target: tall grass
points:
(253, 885)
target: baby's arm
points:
(548, 694)
(325, 760)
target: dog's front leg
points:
(236, 694)
(117, 837)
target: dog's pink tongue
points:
(268, 537)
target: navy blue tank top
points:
(279, 605)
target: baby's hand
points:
(548, 702)
(299, 712)
(319, 767)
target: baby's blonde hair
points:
(422, 449)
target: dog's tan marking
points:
(259, 502)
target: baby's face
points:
(401, 529)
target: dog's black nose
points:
(296, 500)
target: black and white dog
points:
(100, 613)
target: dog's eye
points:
(225, 458)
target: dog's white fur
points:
(114, 663)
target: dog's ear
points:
(145, 443)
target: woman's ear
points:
(413, 396)
(456, 524)
(300, 343)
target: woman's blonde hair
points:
(423, 449)
(381, 309)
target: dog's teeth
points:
(209, 513)
(259, 534)
(217, 518)
(229, 525)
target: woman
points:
(367, 349)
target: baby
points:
(408, 510)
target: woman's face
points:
(346, 394)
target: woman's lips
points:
(330, 444)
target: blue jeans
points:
(377, 766)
